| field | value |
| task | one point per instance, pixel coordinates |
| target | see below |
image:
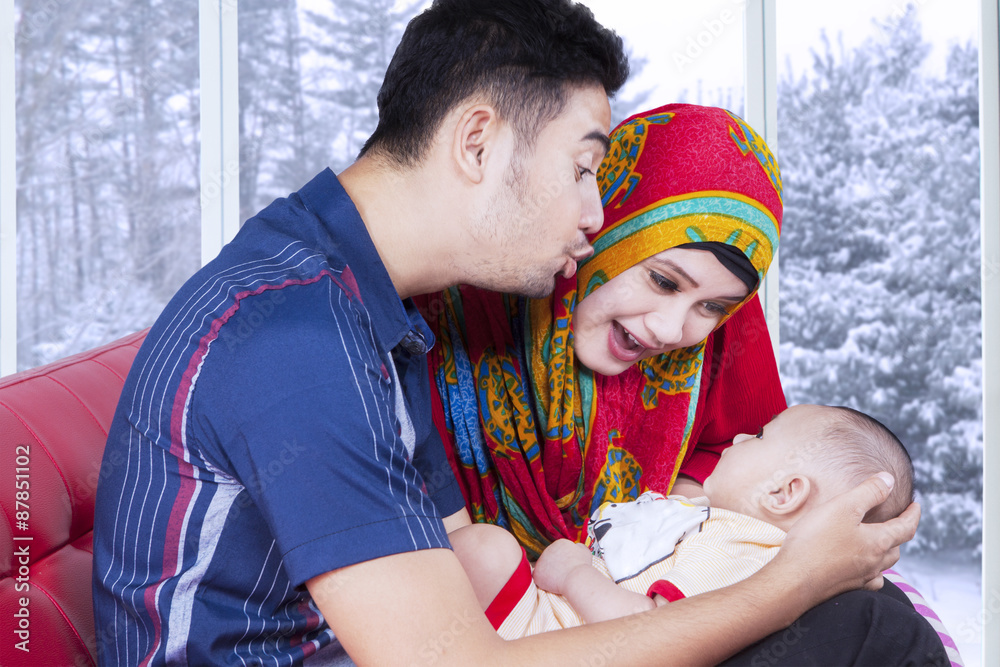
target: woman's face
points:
(671, 300)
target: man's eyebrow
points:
(599, 137)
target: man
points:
(272, 478)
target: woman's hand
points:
(556, 562)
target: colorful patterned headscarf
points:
(538, 441)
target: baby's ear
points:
(789, 496)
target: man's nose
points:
(591, 212)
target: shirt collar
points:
(395, 321)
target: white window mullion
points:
(760, 77)
(989, 142)
(220, 137)
(8, 193)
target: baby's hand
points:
(557, 561)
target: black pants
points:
(874, 629)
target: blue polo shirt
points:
(275, 425)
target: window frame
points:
(8, 193)
(760, 85)
(220, 122)
(989, 138)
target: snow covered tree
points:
(107, 168)
(279, 151)
(356, 40)
(880, 257)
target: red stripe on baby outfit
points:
(511, 593)
(667, 590)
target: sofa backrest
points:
(53, 425)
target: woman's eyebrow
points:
(694, 283)
(676, 269)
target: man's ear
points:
(475, 136)
(789, 496)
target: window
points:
(107, 169)
(126, 140)
(878, 140)
(691, 52)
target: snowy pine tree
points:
(880, 258)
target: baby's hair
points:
(857, 447)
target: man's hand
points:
(421, 605)
(410, 608)
(556, 562)
(829, 550)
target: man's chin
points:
(538, 286)
(534, 285)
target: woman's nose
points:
(667, 324)
(740, 437)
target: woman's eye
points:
(716, 308)
(662, 282)
(760, 434)
(582, 171)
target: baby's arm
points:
(489, 555)
(687, 487)
(565, 568)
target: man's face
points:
(549, 200)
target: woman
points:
(617, 384)
(636, 373)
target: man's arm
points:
(420, 604)
(453, 522)
(566, 568)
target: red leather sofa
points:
(53, 425)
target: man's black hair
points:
(522, 55)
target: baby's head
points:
(804, 456)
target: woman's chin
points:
(601, 364)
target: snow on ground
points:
(954, 590)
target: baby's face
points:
(755, 464)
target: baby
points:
(656, 550)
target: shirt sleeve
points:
(302, 411)
(741, 389)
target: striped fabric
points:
(924, 609)
(267, 433)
